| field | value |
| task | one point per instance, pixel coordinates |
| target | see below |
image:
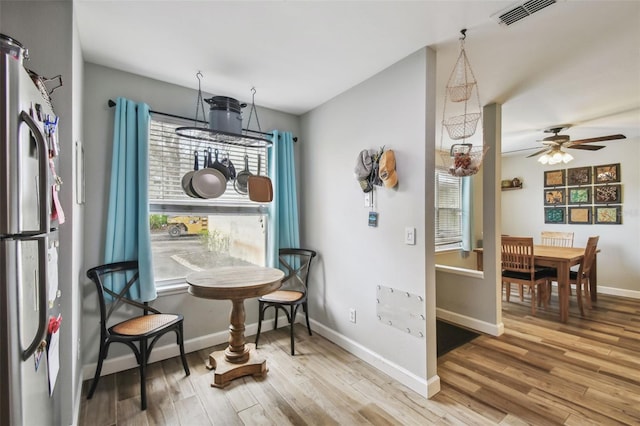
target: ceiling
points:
(574, 62)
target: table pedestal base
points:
(226, 371)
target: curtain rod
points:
(111, 104)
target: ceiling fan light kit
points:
(555, 157)
(553, 153)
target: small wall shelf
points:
(511, 188)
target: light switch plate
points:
(410, 236)
(367, 199)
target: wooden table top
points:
(565, 253)
(234, 282)
(553, 252)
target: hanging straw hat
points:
(388, 169)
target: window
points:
(448, 215)
(191, 234)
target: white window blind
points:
(171, 156)
(448, 214)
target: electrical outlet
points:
(352, 315)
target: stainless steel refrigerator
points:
(29, 296)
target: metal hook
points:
(199, 101)
(464, 33)
(253, 109)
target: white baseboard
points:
(407, 378)
(633, 294)
(613, 291)
(472, 323)
(433, 386)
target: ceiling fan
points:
(553, 152)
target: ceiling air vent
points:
(523, 10)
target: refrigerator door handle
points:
(43, 265)
(43, 171)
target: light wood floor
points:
(538, 372)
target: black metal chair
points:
(296, 264)
(149, 326)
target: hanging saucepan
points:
(226, 161)
(220, 167)
(186, 179)
(209, 182)
(260, 187)
(242, 178)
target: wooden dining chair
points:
(518, 267)
(296, 264)
(557, 239)
(145, 329)
(580, 278)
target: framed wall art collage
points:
(583, 195)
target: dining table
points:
(562, 259)
(235, 283)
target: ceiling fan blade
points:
(537, 153)
(586, 147)
(600, 139)
(521, 150)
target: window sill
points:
(448, 250)
(172, 289)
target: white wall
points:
(389, 109)
(203, 318)
(47, 29)
(619, 259)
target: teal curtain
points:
(284, 229)
(127, 234)
(467, 213)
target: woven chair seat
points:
(143, 324)
(283, 296)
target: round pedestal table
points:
(235, 283)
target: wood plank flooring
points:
(539, 372)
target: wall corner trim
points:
(472, 323)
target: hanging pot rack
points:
(251, 138)
(218, 136)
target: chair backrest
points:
(558, 239)
(589, 257)
(296, 264)
(119, 272)
(517, 254)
